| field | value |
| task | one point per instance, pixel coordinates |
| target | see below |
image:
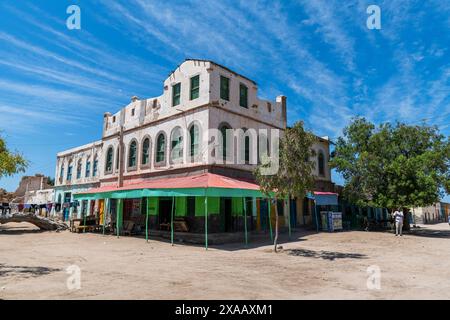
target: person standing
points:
(398, 217)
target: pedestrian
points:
(398, 217)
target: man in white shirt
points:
(398, 217)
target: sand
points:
(33, 265)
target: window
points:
(223, 131)
(321, 160)
(132, 154)
(94, 170)
(160, 148)
(88, 169)
(61, 172)
(176, 94)
(132, 112)
(194, 136)
(243, 96)
(117, 158)
(247, 149)
(69, 173)
(114, 119)
(224, 88)
(109, 160)
(177, 144)
(79, 169)
(195, 87)
(145, 151)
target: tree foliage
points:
(10, 162)
(392, 165)
(295, 174)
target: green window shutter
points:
(176, 94)
(243, 96)
(224, 88)
(195, 87)
(161, 145)
(194, 133)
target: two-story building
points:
(186, 155)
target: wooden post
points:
(146, 221)
(171, 221)
(206, 221)
(270, 220)
(288, 205)
(118, 215)
(245, 221)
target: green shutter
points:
(243, 96)
(195, 87)
(176, 94)
(224, 88)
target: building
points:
(167, 155)
(435, 213)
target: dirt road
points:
(313, 266)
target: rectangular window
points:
(224, 88)
(94, 172)
(88, 169)
(69, 173)
(195, 87)
(132, 112)
(176, 94)
(243, 96)
(61, 173)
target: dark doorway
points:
(165, 210)
(190, 206)
(226, 213)
(293, 213)
(263, 214)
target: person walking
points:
(398, 217)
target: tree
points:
(393, 166)
(295, 173)
(10, 163)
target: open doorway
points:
(165, 210)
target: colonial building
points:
(160, 155)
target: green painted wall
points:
(153, 205)
(120, 213)
(213, 205)
(237, 206)
(180, 206)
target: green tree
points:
(10, 162)
(294, 177)
(393, 166)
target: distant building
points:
(435, 213)
(29, 184)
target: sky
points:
(56, 83)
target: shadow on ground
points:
(7, 270)
(430, 233)
(326, 255)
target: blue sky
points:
(55, 83)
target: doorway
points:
(226, 213)
(165, 210)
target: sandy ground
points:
(313, 266)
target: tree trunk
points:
(40, 222)
(406, 226)
(275, 240)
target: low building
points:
(431, 214)
(190, 151)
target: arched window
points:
(87, 172)
(117, 158)
(194, 136)
(160, 148)
(69, 172)
(132, 154)
(79, 169)
(223, 130)
(61, 173)
(176, 144)
(95, 166)
(321, 163)
(145, 151)
(109, 160)
(247, 149)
